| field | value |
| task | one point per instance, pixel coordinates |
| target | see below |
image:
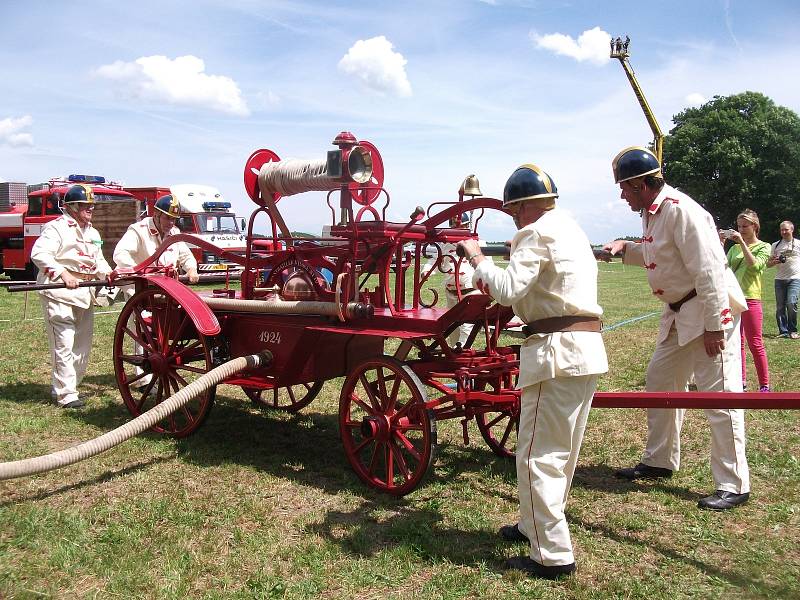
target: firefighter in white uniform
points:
(143, 238)
(68, 251)
(699, 329)
(551, 283)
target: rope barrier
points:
(629, 321)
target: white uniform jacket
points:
(66, 246)
(140, 242)
(551, 273)
(681, 251)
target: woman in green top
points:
(748, 259)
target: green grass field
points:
(263, 504)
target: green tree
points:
(736, 152)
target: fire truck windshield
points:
(211, 223)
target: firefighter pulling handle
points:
(62, 458)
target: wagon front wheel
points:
(388, 434)
(157, 352)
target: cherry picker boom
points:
(619, 50)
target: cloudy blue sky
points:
(159, 93)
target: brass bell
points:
(470, 187)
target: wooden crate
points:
(112, 218)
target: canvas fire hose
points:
(62, 458)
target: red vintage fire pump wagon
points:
(320, 328)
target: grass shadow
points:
(30, 393)
(762, 589)
(86, 483)
(370, 528)
(601, 477)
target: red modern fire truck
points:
(25, 209)
(205, 214)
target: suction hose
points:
(62, 458)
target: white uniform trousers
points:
(552, 421)
(461, 333)
(69, 333)
(669, 370)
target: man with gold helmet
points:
(699, 329)
(143, 238)
(551, 283)
(69, 251)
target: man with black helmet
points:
(69, 251)
(551, 283)
(143, 238)
(699, 329)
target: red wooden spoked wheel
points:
(158, 351)
(388, 434)
(499, 430)
(291, 398)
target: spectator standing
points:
(786, 256)
(747, 259)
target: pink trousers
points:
(752, 321)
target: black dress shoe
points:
(511, 533)
(74, 404)
(643, 471)
(533, 569)
(721, 500)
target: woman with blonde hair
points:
(748, 258)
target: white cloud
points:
(592, 45)
(268, 100)
(10, 133)
(181, 81)
(695, 99)
(377, 66)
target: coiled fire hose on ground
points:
(62, 458)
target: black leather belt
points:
(676, 306)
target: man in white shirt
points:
(551, 283)
(786, 256)
(68, 251)
(699, 329)
(143, 238)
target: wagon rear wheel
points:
(388, 434)
(291, 398)
(158, 351)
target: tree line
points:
(736, 152)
